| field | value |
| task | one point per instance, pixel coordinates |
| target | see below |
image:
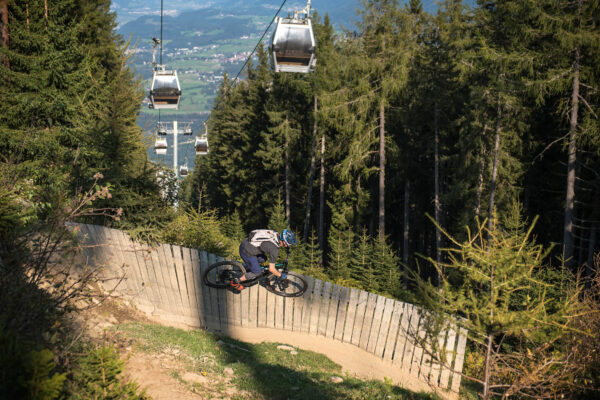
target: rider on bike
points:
(257, 247)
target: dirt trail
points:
(154, 372)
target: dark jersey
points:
(266, 249)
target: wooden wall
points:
(165, 280)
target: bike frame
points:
(265, 269)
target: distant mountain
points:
(340, 11)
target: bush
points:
(97, 375)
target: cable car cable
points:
(260, 40)
(161, 29)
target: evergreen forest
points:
(449, 159)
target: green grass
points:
(261, 371)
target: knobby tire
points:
(293, 286)
(219, 274)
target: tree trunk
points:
(287, 172)
(322, 196)
(382, 171)
(487, 367)
(593, 233)
(311, 176)
(495, 166)
(438, 236)
(4, 24)
(480, 178)
(570, 195)
(406, 222)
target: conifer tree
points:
(386, 264)
(277, 219)
(512, 306)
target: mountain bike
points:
(220, 274)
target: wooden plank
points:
(154, 273)
(324, 310)
(410, 347)
(342, 311)
(132, 268)
(359, 317)
(212, 295)
(419, 335)
(304, 319)
(279, 312)
(245, 306)
(198, 289)
(120, 284)
(170, 270)
(298, 309)
(426, 361)
(221, 299)
(459, 360)
(350, 315)
(232, 298)
(172, 305)
(402, 335)
(384, 328)
(289, 304)
(160, 280)
(139, 253)
(103, 260)
(315, 306)
(253, 305)
(376, 324)
(181, 283)
(188, 268)
(271, 309)
(124, 269)
(436, 367)
(450, 341)
(333, 310)
(393, 331)
(368, 320)
(262, 306)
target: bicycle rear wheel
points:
(293, 286)
(219, 274)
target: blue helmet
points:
(288, 237)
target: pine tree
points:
(386, 265)
(362, 267)
(277, 219)
(509, 301)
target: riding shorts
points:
(252, 263)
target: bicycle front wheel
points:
(219, 274)
(293, 286)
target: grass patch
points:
(260, 371)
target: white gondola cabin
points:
(165, 91)
(183, 170)
(201, 145)
(160, 146)
(293, 44)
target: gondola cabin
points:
(293, 45)
(160, 146)
(183, 170)
(201, 146)
(188, 131)
(165, 91)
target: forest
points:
(449, 159)
(414, 124)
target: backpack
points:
(256, 237)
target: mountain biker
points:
(257, 247)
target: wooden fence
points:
(166, 280)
